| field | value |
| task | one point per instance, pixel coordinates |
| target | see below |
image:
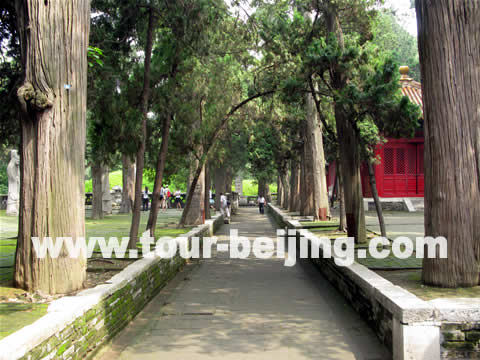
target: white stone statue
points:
(106, 194)
(13, 172)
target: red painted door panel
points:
(402, 165)
(420, 171)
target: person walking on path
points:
(178, 200)
(224, 206)
(261, 204)
(162, 199)
(145, 199)
(168, 194)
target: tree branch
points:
(208, 147)
(317, 105)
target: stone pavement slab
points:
(224, 308)
(398, 223)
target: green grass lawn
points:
(391, 262)
(250, 187)
(402, 272)
(117, 225)
(411, 280)
(14, 316)
(326, 223)
(115, 179)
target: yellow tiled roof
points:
(411, 88)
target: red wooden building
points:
(400, 171)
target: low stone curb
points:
(410, 327)
(76, 326)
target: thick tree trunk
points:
(54, 40)
(286, 188)
(320, 208)
(228, 179)
(208, 185)
(292, 179)
(376, 198)
(264, 189)
(191, 171)
(190, 196)
(341, 197)
(294, 186)
(97, 191)
(449, 46)
(140, 161)
(157, 186)
(196, 212)
(128, 184)
(348, 145)
(279, 192)
(307, 179)
(352, 183)
(268, 194)
(261, 187)
(219, 183)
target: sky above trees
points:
(405, 14)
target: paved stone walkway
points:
(247, 309)
(398, 223)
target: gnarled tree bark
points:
(195, 213)
(279, 191)
(208, 185)
(341, 198)
(294, 203)
(320, 209)
(286, 188)
(449, 46)
(54, 40)
(128, 184)
(219, 184)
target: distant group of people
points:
(165, 201)
(225, 209)
(165, 196)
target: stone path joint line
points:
(224, 308)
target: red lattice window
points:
(400, 157)
(412, 161)
(388, 162)
(420, 159)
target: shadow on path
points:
(247, 309)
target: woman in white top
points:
(224, 206)
(178, 199)
(145, 199)
(162, 198)
(261, 204)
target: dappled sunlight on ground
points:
(19, 308)
(247, 308)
